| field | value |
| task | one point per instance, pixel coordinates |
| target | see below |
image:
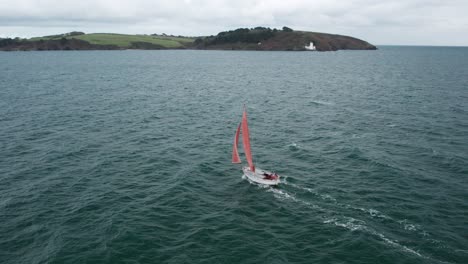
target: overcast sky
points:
(407, 22)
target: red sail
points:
(246, 141)
(235, 154)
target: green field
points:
(124, 41)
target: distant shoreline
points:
(259, 38)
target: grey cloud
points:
(362, 18)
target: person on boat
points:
(271, 176)
(274, 176)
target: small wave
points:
(318, 102)
(294, 146)
(409, 226)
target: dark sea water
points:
(124, 156)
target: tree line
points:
(244, 35)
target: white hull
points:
(258, 176)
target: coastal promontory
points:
(258, 38)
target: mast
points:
(235, 153)
(246, 140)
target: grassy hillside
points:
(123, 40)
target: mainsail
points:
(254, 175)
(246, 141)
(235, 153)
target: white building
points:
(310, 47)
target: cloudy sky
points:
(407, 22)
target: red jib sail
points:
(246, 141)
(235, 153)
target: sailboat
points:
(251, 172)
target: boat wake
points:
(373, 213)
(282, 194)
(370, 212)
(353, 224)
(336, 218)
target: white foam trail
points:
(322, 196)
(300, 187)
(350, 223)
(353, 224)
(327, 197)
(284, 180)
(283, 195)
(371, 212)
(395, 244)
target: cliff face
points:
(329, 42)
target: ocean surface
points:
(125, 156)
